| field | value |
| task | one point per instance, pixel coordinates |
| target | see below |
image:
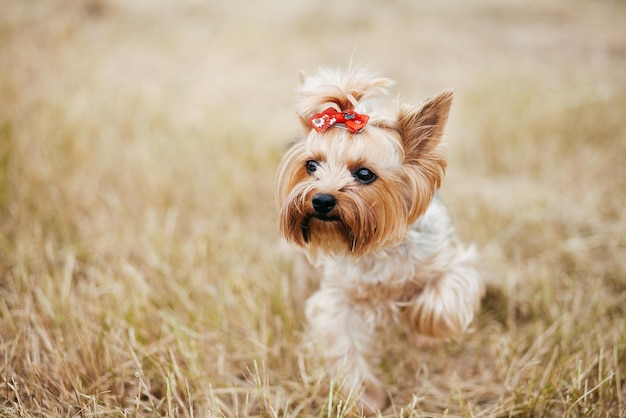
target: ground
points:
(140, 266)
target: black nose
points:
(323, 203)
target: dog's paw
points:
(373, 399)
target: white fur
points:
(354, 300)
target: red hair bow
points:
(346, 119)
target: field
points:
(141, 272)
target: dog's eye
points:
(364, 175)
(311, 166)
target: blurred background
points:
(138, 146)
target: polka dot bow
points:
(346, 119)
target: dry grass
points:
(139, 268)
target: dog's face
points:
(352, 193)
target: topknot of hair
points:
(343, 90)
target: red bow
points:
(347, 119)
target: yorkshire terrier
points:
(358, 193)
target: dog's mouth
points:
(325, 218)
(305, 227)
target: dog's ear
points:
(421, 127)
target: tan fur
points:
(387, 250)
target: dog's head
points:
(358, 177)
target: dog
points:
(358, 192)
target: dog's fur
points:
(386, 250)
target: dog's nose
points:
(323, 203)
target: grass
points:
(140, 268)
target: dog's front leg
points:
(446, 305)
(343, 332)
